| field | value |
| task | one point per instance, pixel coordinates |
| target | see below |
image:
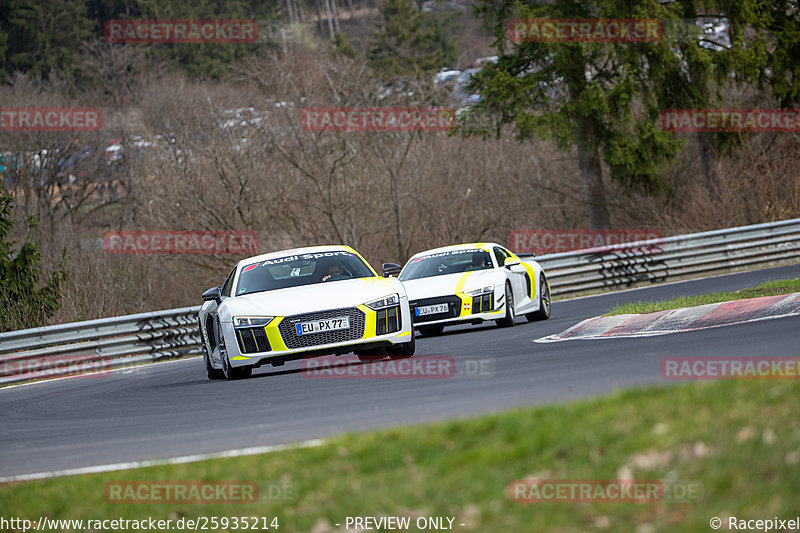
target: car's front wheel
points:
(430, 331)
(511, 313)
(405, 350)
(368, 356)
(544, 301)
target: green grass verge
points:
(770, 288)
(741, 440)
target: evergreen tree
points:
(401, 44)
(442, 27)
(605, 98)
(25, 301)
(43, 38)
(3, 50)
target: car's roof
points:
(296, 251)
(465, 246)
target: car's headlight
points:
(388, 301)
(477, 292)
(251, 321)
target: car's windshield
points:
(301, 269)
(441, 263)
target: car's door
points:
(517, 275)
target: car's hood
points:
(448, 284)
(310, 298)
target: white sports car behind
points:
(299, 303)
(473, 283)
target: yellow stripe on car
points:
(466, 301)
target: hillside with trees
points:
(208, 136)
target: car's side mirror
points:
(391, 269)
(213, 295)
(511, 261)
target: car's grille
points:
(388, 321)
(454, 308)
(482, 303)
(252, 340)
(293, 340)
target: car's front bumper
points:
(462, 309)
(277, 341)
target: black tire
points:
(405, 350)
(510, 319)
(544, 302)
(367, 356)
(211, 372)
(430, 331)
(228, 371)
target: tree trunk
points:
(707, 159)
(330, 18)
(588, 143)
(290, 11)
(335, 15)
(320, 23)
(593, 191)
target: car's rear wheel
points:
(430, 331)
(544, 302)
(211, 372)
(405, 350)
(510, 318)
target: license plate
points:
(432, 309)
(321, 326)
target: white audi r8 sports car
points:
(473, 283)
(304, 302)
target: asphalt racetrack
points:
(171, 409)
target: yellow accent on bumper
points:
(466, 304)
(370, 321)
(274, 335)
